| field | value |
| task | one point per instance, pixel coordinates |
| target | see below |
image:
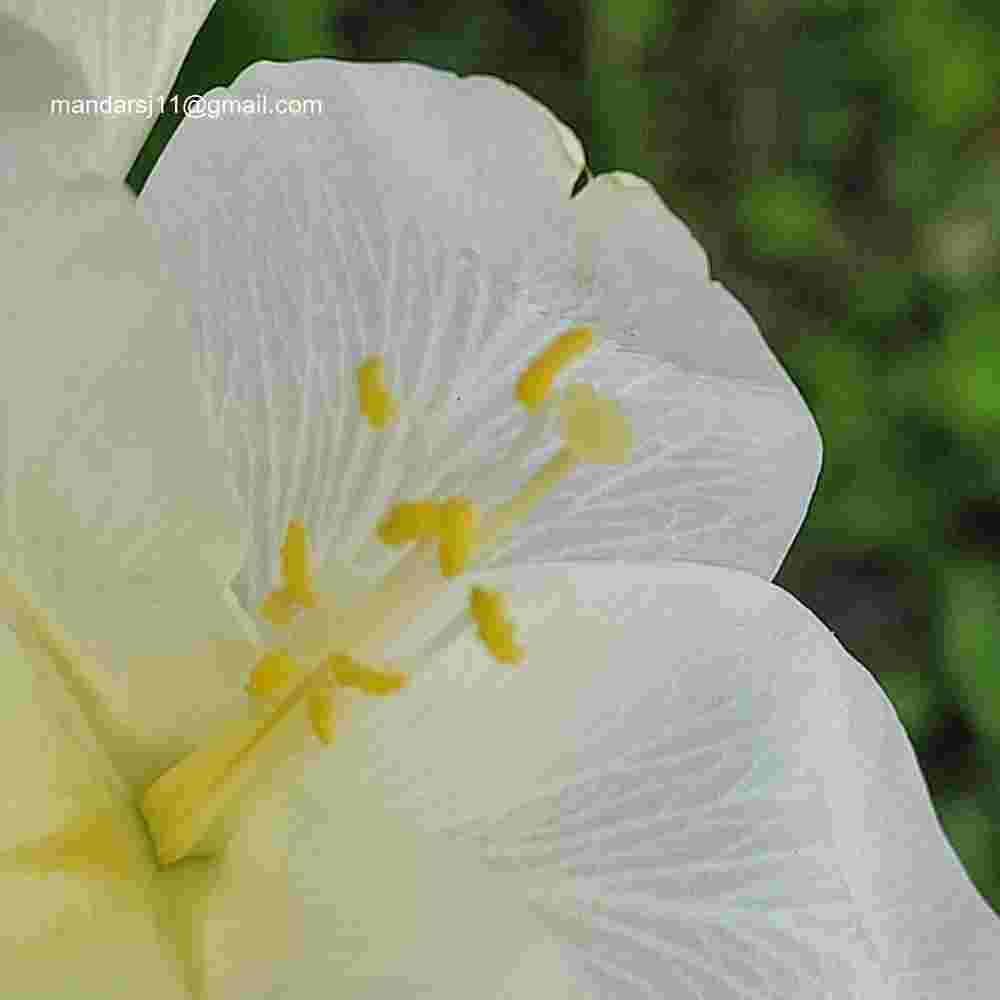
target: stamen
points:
(410, 522)
(279, 606)
(495, 629)
(535, 384)
(188, 807)
(376, 402)
(459, 521)
(408, 589)
(595, 430)
(508, 473)
(349, 673)
(453, 523)
(295, 565)
(273, 671)
(183, 804)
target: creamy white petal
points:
(33, 71)
(118, 520)
(78, 930)
(87, 912)
(128, 49)
(237, 920)
(391, 913)
(421, 216)
(704, 794)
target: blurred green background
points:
(840, 162)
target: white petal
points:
(721, 473)
(67, 934)
(33, 71)
(391, 913)
(728, 454)
(654, 279)
(237, 923)
(87, 912)
(708, 797)
(127, 49)
(118, 519)
(421, 216)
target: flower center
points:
(322, 655)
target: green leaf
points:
(972, 642)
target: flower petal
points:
(393, 914)
(33, 71)
(126, 49)
(237, 924)
(421, 216)
(87, 912)
(721, 473)
(119, 522)
(707, 795)
(76, 920)
(424, 217)
(728, 454)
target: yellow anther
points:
(459, 521)
(495, 629)
(273, 672)
(320, 705)
(535, 384)
(376, 402)
(410, 522)
(295, 565)
(277, 608)
(594, 428)
(349, 673)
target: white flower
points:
(687, 788)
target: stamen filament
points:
(408, 589)
(416, 581)
(502, 518)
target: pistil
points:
(183, 806)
